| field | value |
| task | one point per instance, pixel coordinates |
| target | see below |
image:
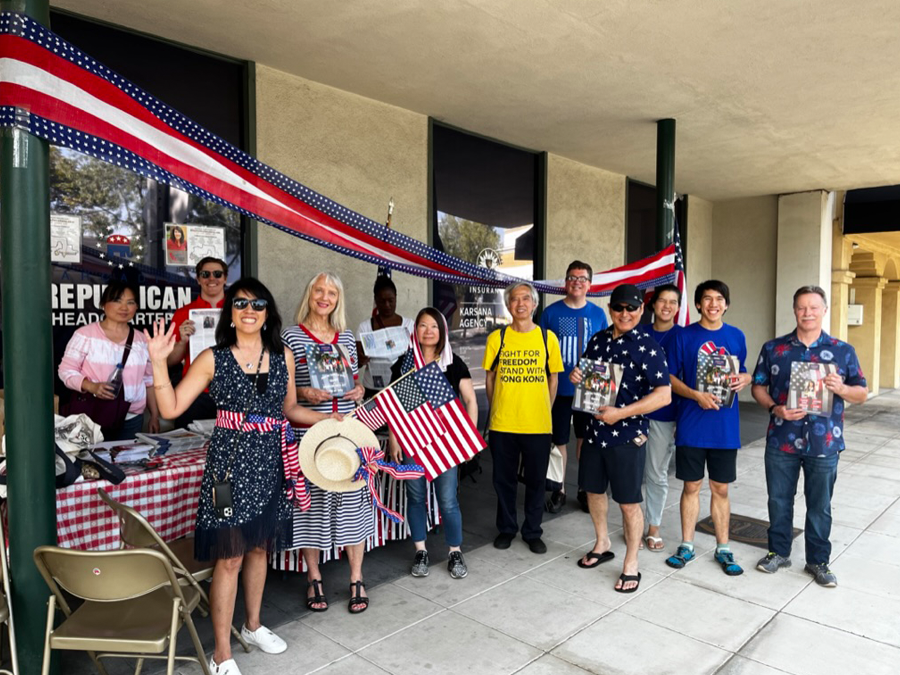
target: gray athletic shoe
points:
(823, 576)
(772, 563)
(420, 564)
(456, 565)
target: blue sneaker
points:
(726, 560)
(682, 557)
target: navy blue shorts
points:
(690, 462)
(563, 417)
(620, 467)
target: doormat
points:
(744, 529)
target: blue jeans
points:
(782, 475)
(451, 518)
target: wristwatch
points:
(772, 407)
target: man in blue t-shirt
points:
(707, 432)
(665, 304)
(573, 320)
(799, 440)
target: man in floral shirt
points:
(797, 439)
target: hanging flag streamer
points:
(57, 92)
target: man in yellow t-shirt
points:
(521, 374)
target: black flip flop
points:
(625, 578)
(601, 558)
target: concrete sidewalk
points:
(518, 612)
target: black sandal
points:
(318, 597)
(626, 578)
(357, 599)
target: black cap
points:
(626, 294)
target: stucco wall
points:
(356, 151)
(585, 218)
(698, 249)
(744, 256)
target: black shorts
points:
(690, 461)
(563, 415)
(619, 466)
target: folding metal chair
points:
(135, 531)
(6, 608)
(133, 606)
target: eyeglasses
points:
(623, 308)
(578, 280)
(206, 274)
(257, 304)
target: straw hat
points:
(328, 456)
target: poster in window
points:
(186, 245)
(65, 238)
(176, 245)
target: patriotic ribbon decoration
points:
(370, 462)
(58, 93)
(296, 489)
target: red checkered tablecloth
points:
(166, 496)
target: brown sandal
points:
(357, 599)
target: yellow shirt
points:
(521, 402)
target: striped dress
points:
(335, 518)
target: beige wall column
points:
(890, 336)
(805, 224)
(866, 339)
(838, 300)
(745, 240)
(356, 151)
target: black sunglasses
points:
(257, 304)
(623, 308)
(206, 274)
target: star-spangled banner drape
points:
(57, 92)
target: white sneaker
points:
(265, 639)
(228, 667)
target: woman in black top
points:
(431, 335)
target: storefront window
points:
(485, 213)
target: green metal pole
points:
(665, 182)
(27, 368)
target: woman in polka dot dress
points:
(249, 372)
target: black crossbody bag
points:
(222, 498)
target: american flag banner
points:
(462, 440)
(58, 93)
(409, 415)
(652, 271)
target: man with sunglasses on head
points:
(614, 452)
(707, 433)
(212, 273)
(573, 320)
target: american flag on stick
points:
(409, 415)
(462, 440)
(370, 414)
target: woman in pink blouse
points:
(95, 350)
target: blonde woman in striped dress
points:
(334, 519)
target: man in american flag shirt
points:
(573, 320)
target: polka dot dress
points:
(261, 510)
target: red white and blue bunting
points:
(57, 92)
